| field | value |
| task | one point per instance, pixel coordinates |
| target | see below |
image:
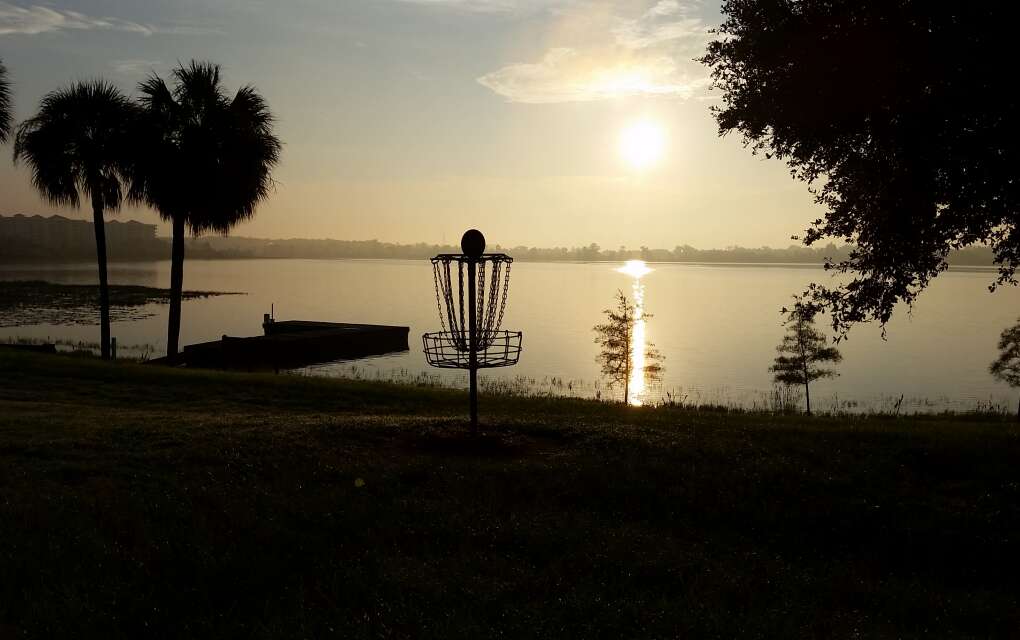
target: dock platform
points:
(291, 344)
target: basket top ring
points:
(461, 257)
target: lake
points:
(716, 325)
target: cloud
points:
(36, 19)
(565, 75)
(650, 54)
(667, 22)
(134, 67)
(665, 8)
(480, 6)
(491, 6)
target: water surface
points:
(716, 325)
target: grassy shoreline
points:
(137, 500)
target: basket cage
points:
(451, 347)
(442, 350)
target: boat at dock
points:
(290, 344)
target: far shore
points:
(8, 265)
(72, 241)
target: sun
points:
(642, 144)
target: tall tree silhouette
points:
(897, 112)
(1007, 366)
(78, 146)
(801, 352)
(206, 162)
(5, 104)
(615, 338)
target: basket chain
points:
(489, 318)
(463, 328)
(497, 299)
(480, 312)
(506, 289)
(436, 267)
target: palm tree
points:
(77, 146)
(206, 162)
(5, 105)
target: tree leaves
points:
(207, 157)
(79, 144)
(802, 351)
(896, 113)
(616, 339)
(1007, 366)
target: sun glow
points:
(642, 144)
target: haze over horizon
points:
(544, 123)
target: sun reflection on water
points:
(636, 269)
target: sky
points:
(540, 122)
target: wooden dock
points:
(294, 343)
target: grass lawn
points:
(138, 501)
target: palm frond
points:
(208, 158)
(5, 104)
(78, 144)
(155, 95)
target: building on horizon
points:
(58, 239)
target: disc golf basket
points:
(471, 291)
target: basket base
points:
(443, 350)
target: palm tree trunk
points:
(104, 286)
(807, 396)
(173, 335)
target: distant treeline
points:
(61, 240)
(227, 248)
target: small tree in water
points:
(617, 342)
(1007, 366)
(801, 352)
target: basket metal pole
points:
(472, 347)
